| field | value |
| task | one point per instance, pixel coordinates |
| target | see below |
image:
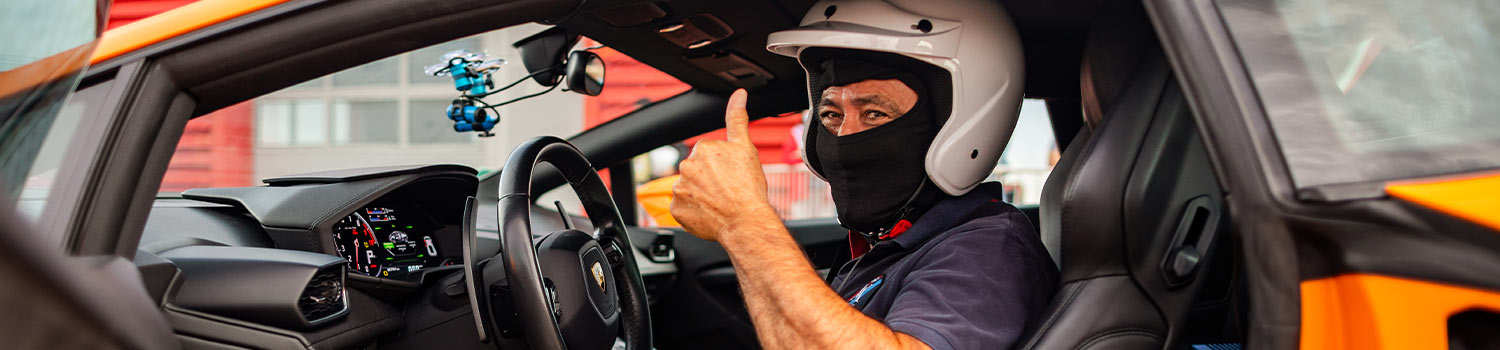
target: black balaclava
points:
(877, 176)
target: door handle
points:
(1195, 233)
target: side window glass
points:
(50, 142)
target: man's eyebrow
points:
(878, 101)
(825, 102)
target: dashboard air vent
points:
(323, 299)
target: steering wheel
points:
(571, 289)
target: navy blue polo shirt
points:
(971, 273)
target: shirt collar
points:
(947, 214)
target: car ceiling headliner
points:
(268, 50)
(248, 57)
(1052, 33)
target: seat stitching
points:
(1052, 318)
(1118, 333)
(1067, 205)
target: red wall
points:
(216, 150)
(628, 82)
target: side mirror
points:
(585, 73)
(542, 53)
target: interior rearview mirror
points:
(585, 73)
(543, 54)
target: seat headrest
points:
(1118, 40)
(1123, 76)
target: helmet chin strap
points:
(920, 201)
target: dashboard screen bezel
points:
(421, 232)
(436, 202)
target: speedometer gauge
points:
(355, 239)
(378, 242)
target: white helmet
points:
(974, 41)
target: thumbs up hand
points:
(722, 182)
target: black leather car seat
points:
(1131, 209)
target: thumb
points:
(736, 120)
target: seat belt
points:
(843, 257)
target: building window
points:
(283, 123)
(427, 124)
(274, 123)
(361, 122)
(310, 123)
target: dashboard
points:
(388, 223)
(380, 240)
(393, 234)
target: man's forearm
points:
(771, 325)
(767, 320)
(790, 305)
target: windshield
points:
(390, 112)
(1361, 91)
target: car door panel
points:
(704, 310)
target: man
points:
(912, 104)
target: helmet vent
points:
(924, 25)
(828, 12)
(974, 154)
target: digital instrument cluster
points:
(380, 241)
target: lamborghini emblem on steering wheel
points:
(599, 275)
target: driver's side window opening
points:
(796, 193)
(391, 112)
(1029, 156)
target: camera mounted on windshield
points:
(549, 59)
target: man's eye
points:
(830, 120)
(873, 115)
(829, 116)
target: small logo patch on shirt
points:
(858, 299)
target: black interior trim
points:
(1396, 238)
(260, 285)
(131, 163)
(60, 301)
(103, 93)
(622, 190)
(1227, 112)
(177, 223)
(351, 175)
